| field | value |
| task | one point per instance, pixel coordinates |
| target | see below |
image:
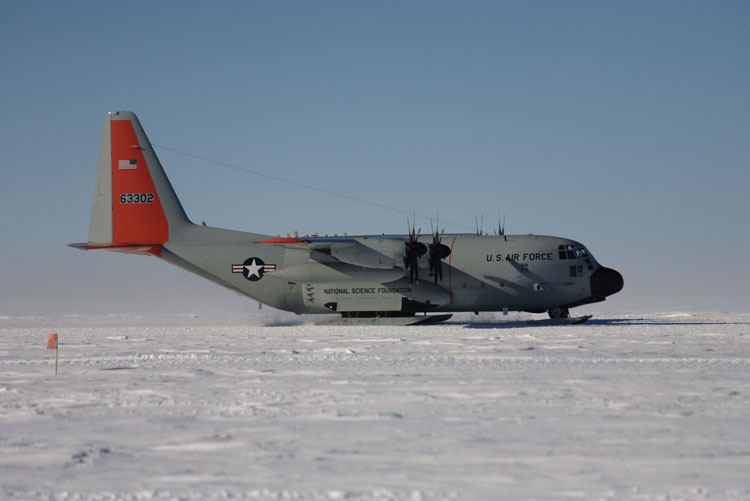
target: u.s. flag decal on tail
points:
(127, 164)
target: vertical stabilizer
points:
(134, 202)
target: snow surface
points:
(642, 407)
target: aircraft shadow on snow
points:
(634, 322)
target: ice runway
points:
(642, 407)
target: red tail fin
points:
(134, 203)
(137, 213)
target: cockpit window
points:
(572, 252)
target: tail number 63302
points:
(137, 198)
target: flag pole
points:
(52, 344)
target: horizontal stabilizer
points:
(141, 250)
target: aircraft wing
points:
(377, 252)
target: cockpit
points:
(604, 281)
(578, 251)
(573, 251)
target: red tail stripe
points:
(134, 223)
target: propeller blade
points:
(413, 250)
(438, 251)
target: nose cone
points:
(605, 282)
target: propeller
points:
(479, 223)
(500, 226)
(414, 250)
(438, 252)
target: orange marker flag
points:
(52, 345)
(52, 342)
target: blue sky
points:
(625, 125)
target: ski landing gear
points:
(560, 316)
(559, 313)
(384, 318)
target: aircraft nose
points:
(605, 282)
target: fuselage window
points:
(576, 271)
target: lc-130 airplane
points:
(367, 279)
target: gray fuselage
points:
(482, 273)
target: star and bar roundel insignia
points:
(253, 268)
